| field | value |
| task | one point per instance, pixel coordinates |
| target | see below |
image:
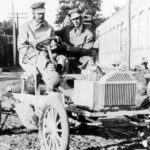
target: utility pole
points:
(17, 16)
(129, 34)
(17, 23)
(14, 36)
(14, 32)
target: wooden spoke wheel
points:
(53, 127)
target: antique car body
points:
(112, 95)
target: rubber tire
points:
(59, 108)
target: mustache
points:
(41, 18)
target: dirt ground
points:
(14, 136)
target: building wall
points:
(114, 35)
(140, 31)
(112, 38)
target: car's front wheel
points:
(54, 127)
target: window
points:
(148, 27)
(107, 43)
(104, 42)
(114, 39)
(134, 32)
(118, 38)
(141, 29)
(110, 41)
(144, 41)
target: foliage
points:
(116, 8)
(88, 7)
(62, 12)
(7, 27)
(7, 24)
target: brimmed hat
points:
(38, 7)
(74, 13)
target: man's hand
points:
(31, 52)
(55, 43)
(66, 46)
(93, 52)
(58, 39)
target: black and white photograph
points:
(75, 75)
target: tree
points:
(6, 48)
(89, 7)
(62, 12)
(7, 27)
(116, 8)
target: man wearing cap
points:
(78, 41)
(32, 60)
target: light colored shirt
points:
(81, 37)
(27, 38)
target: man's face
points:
(76, 22)
(39, 17)
(67, 20)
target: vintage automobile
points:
(81, 99)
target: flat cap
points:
(74, 13)
(38, 5)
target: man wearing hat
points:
(32, 60)
(78, 41)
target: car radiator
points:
(114, 89)
(117, 88)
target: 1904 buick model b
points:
(79, 99)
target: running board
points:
(108, 114)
